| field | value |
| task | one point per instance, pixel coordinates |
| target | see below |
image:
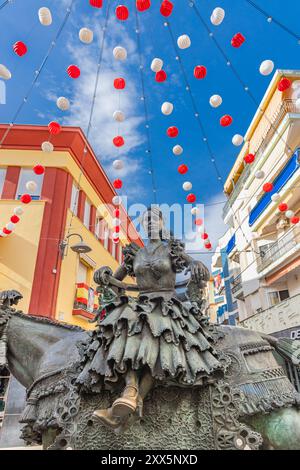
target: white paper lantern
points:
(116, 235)
(237, 140)
(119, 116)
(18, 210)
(116, 221)
(167, 108)
(266, 67)
(63, 103)
(177, 150)
(118, 164)
(289, 214)
(184, 41)
(297, 104)
(45, 16)
(156, 65)
(47, 147)
(86, 35)
(187, 186)
(215, 101)
(195, 211)
(295, 84)
(217, 16)
(31, 186)
(10, 226)
(116, 200)
(275, 197)
(120, 53)
(260, 174)
(4, 72)
(296, 94)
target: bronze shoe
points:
(107, 418)
(127, 403)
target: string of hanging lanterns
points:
(96, 4)
(197, 116)
(270, 18)
(156, 69)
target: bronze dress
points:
(154, 330)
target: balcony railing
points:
(279, 248)
(280, 317)
(285, 107)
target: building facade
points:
(73, 196)
(264, 250)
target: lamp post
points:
(80, 247)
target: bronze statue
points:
(201, 386)
(154, 337)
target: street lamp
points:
(80, 247)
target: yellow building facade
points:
(72, 196)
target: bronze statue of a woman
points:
(156, 337)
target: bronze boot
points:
(127, 403)
(107, 418)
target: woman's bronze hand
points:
(199, 272)
(102, 274)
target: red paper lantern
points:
(122, 12)
(96, 3)
(117, 213)
(116, 240)
(268, 187)
(161, 76)
(20, 48)
(284, 84)
(117, 229)
(39, 169)
(283, 207)
(295, 220)
(226, 120)
(143, 5)
(14, 219)
(73, 71)
(191, 198)
(204, 236)
(182, 169)
(119, 83)
(200, 72)
(7, 232)
(166, 8)
(208, 246)
(25, 198)
(118, 184)
(172, 132)
(237, 40)
(198, 222)
(249, 158)
(118, 141)
(54, 128)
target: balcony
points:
(86, 302)
(285, 107)
(278, 318)
(280, 250)
(237, 287)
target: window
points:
(29, 175)
(99, 227)
(278, 296)
(87, 214)
(2, 179)
(82, 274)
(74, 199)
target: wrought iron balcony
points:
(237, 287)
(279, 249)
(285, 107)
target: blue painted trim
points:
(230, 245)
(280, 181)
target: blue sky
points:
(19, 21)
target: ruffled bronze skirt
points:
(157, 332)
